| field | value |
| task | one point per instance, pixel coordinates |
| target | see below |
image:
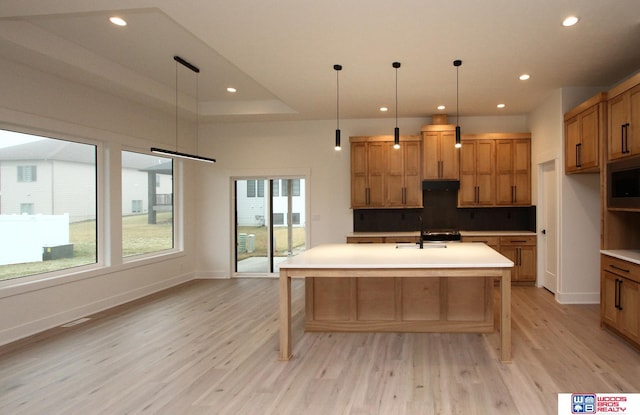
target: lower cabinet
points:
(620, 297)
(519, 249)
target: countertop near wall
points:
(417, 234)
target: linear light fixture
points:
(176, 153)
(457, 64)
(396, 131)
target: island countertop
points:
(401, 256)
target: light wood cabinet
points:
(477, 174)
(620, 297)
(440, 158)
(367, 171)
(382, 176)
(513, 172)
(403, 181)
(495, 170)
(624, 119)
(521, 250)
(583, 132)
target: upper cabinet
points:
(385, 177)
(584, 128)
(495, 170)
(624, 119)
(440, 156)
(477, 174)
(513, 172)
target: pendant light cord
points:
(176, 105)
(457, 97)
(397, 96)
(338, 97)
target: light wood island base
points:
(393, 290)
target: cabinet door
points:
(394, 178)
(485, 173)
(526, 263)
(431, 155)
(608, 309)
(634, 121)
(571, 140)
(467, 193)
(450, 167)
(588, 149)
(618, 109)
(504, 172)
(629, 321)
(359, 175)
(522, 172)
(376, 173)
(412, 174)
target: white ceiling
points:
(279, 54)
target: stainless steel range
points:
(441, 235)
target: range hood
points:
(441, 185)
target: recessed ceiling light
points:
(232, 89)
(570, 21)
(384, 109)
(501, 106)
(524, 76)
(118, 21)
(441, 107)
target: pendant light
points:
(396, 131)
(177, 153)
(457, 64)
(337, 68)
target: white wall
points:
(578, 202)
(31, 102)
(296, 148)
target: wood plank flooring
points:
(211, 347)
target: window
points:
(26, 208)
(255, 188)
(63, 233)
(136, 206)
(27, 173)
(278, 218)
(275, 188)
(150, 231)
(295, 218)
(295, 187)
(260, 184)
(251, 188)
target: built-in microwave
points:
(623, 183)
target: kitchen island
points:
(397, 278)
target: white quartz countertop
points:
(497, 233)
(462, 233)
(452, 255)
(382, 234)
(631, 255)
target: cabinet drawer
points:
(365, 239)
(622, 268)
(517, 240)
(489, 240)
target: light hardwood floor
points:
(211, 347)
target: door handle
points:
(579, 155)
(544, 231)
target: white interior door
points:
(549, 225)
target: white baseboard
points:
(12, 334)
(578, 298)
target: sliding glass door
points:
(269, 223)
